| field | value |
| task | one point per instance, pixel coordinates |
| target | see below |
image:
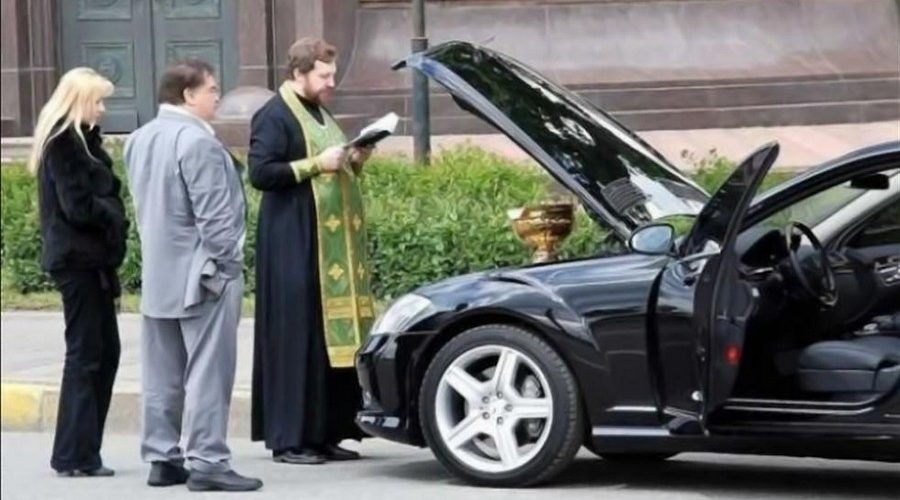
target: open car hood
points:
(619, 178)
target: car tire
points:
(548, 456)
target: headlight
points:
(402, 314)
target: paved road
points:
(398, 472)
(34, 349)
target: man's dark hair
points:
(181, 76)
(304, 53)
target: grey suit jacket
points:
(190, 209)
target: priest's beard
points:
(319, 96)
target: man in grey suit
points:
(190, 208)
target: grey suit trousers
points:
(188, 369)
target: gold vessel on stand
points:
(543, 228)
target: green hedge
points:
(429, 223)
(20, 239)
(424, 223)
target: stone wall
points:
(655, 64)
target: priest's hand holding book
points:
(332, 159)
(358, 155)
(355, 152)
(360, 147)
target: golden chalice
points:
(543, 227)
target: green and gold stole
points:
(348, 308)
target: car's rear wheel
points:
(499, 407)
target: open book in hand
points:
(375, 132)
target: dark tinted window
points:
(883, 229)
(814, 209)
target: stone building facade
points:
(655, 64)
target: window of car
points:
(882, 229)
(814, 209)
(822, 210)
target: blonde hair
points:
(77, 90)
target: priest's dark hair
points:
(181, 76)
(304, 53)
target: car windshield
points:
(811, 211)
(814, 209)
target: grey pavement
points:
(396, 472)
(33, 349)
(33, 352)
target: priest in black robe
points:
(313, 300)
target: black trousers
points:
(92, 358)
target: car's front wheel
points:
(499, 407)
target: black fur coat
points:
(83, 223)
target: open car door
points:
(702, 305)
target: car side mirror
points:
(873, 181)
(653, 239)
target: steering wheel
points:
(822, 288)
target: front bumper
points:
(388, 427)
(387, 370)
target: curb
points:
(22, 406)
(32, 407)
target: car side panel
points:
(593, 311)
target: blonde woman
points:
(83, 228)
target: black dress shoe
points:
(335, 453)
(96, 472)
(304, 457)
(167, 474)
(221, 481)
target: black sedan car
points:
(768, 328)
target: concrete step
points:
(801, 145)
(18, 149)
(13, 149)
(677, 105)
(700, 118)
